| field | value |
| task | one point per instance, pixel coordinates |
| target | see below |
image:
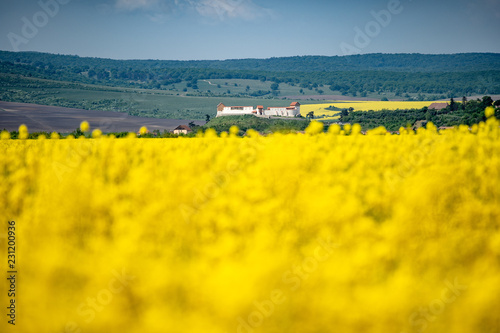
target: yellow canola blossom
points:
(489, 112)
(320, 109)
(84, 126)
(23, 132)
(4, 135)
(317, 232)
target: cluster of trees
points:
(456, 113)
(263, 125)
(451, 75)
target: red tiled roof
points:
(295, 103)
(183, 127)
(260, 107)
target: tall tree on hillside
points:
(452, 104)
(207, 117)
(464, 102)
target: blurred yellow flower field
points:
(320, 109)
(315, 232)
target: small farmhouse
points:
(182, 129)
(288, 111)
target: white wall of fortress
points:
(273, 111)
(282, 112)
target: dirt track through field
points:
(64, 120)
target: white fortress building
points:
(285, 111)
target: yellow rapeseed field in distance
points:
(320, 109)
(317, 232)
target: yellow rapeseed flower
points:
(97, 133)
(377, 131)
(251, 133)
(234, 130)
(334, 129)
(356, 129)
(256, 234)
(5, 135)
(210, 133)
(23, 132)
(489, 112)
(315, 127)
(84, 126)
(347, 128)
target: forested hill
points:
(387, 62)
(394, 75)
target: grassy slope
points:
(140, 102)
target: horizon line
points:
(268, 58)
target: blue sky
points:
(228, 29)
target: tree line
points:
(467, 74)
(463, 62)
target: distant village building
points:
(438, 106)
(182, 129)
(287, 111)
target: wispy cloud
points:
(480, 10)
(135, 4)
(214, 9)
(230, 9)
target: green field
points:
(182, 100)
(138, 102)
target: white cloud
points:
(230, 9)
(135, 4)
(213, 9)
